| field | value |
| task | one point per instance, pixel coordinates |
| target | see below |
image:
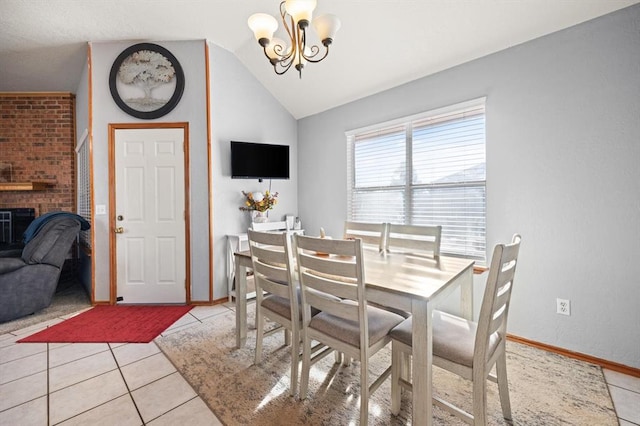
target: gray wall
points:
(563, 147)
(242, 109)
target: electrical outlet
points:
(563, 306)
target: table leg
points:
(422, 362)
(231, 266)
(241, 305)
(466, 294)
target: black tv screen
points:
(259, 161)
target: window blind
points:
(429, 169)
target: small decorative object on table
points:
(290, 221)
(258, 204)
(323, 235)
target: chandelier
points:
(296, 52)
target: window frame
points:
(408, 188)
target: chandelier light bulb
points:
(300, 10)
(263, 27)
(326, 27)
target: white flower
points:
(258, 196)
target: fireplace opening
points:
(13, 223)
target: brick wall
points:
(37, 138)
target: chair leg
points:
(503, 385)
(306, 366)
(479, 397)
(405, 373)
(287, 337)
(259, 335)
(295, 352)
(364, 391)
(396, 368)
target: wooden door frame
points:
(113, 264)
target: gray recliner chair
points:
(28, 281)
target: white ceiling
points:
(382, 43)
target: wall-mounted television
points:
(251, 160)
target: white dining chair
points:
(415, 239)
(272, 261)
(464, 347)
(278, 296)
(334, 283)
(371, 234)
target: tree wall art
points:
(146, 81)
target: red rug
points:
(112, 324)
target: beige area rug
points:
(545, 389)
(72, 298)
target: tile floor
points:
(97, 384)
(135, 384)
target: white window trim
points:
(416, 117)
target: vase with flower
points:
(259, 204)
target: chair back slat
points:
(275, 274)
(266, 238)
(273, 287)
(502, 296)
(417, 239)
(269, 226)
(326, 245)
(271, 254)
(495, 303)
(343, 310)
(344, 267)
(342, 287)
(371, 234)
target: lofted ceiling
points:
(382, 43)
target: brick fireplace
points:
(37, 141)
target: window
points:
(428, 169)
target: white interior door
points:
(150, 215)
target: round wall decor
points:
(146, 81)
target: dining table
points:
(412, 283)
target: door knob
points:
(119, 230)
